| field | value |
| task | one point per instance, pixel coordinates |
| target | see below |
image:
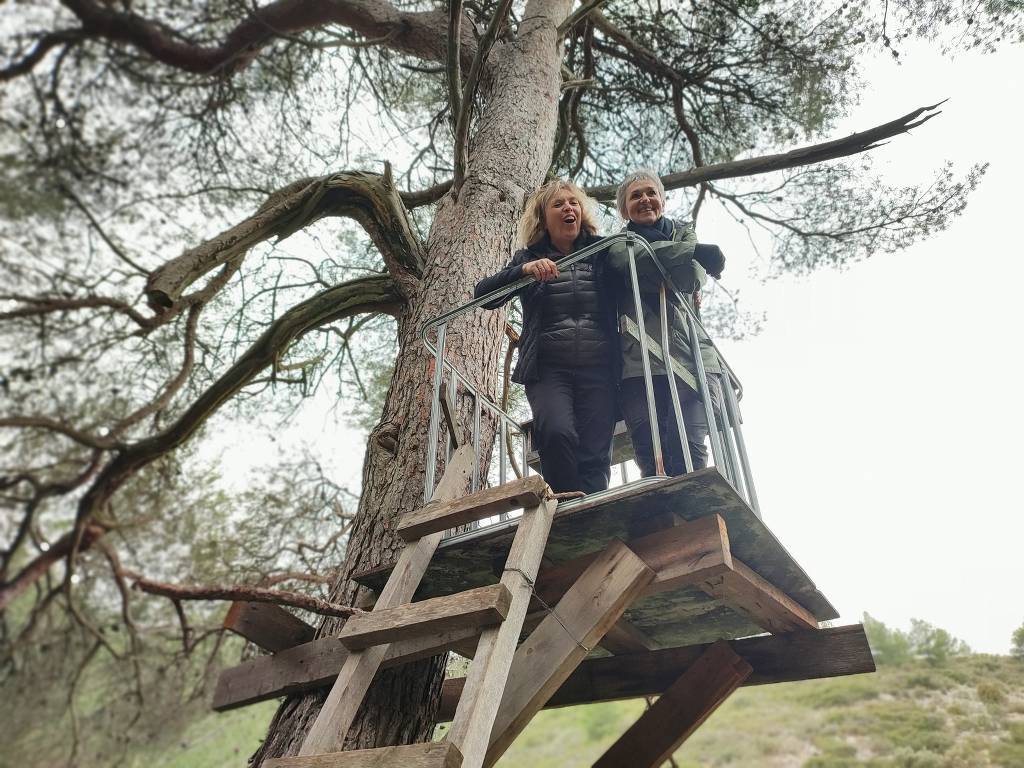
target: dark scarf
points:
(660, 230)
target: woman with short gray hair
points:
(640, 200)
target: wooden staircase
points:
(526, 654)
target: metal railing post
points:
(476, 443)
(652, 411)
(705, 393)
(435, 415)
(666, 358)
(733, 406)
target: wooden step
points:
(269, 626)
(432, 755)
(524, 493)
(478, 607)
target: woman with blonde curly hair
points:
(568, 350)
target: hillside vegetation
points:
(930, 705)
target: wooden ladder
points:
(397, 627)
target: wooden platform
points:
(681, 616)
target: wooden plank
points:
(562, 640)
(432, 755)
(358, 670)
(478, 607)
(679, 711)
(807, 655)
(316, 664)
(769, 607)
(269, 626)
(448, 411)
(689, 553)
(623, 637)
(488, 674)
(523, 493)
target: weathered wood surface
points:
(316, 664)
(683, 615)
(455, 434)
(327, 734)
(479, 607)
(623, 637)
(808, 655)
(745, 591)
(432, 755)
(564, 638)
(524, 493)
(269, 626)
(488, 674)
(679, 711)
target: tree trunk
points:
(470, 237)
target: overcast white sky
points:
(883, 407)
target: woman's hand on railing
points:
(541, 269)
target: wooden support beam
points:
(478, 607)
(688, 553)
(269, 626)
(316, 664)
(679, 711)
(623, 637)
(524, 493)
(357, 672)
(432, 755)
(767, 606)
(807, 655)
(488, 674)
(448, 411)
(554, 649)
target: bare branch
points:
(369, 198)
(454, 68)
(579, 15)
(179, 592)
(43, 46)
(853, 144)
(416, 33)
(118, 250)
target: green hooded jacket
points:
(676, 256)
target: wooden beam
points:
(448, 411)
(524, 493)
(623, 637)
(358, 670)
(432, 755)
(807, 655)
(563, 639)
(685, 554)
(488, 674)
(679, 711)
(478, 607)
(316, 664)
(269, 626)
(767, 606)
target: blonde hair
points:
(531, 225)
(640, 174)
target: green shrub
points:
(991, 692)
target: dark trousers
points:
(633, 401)
(573, 421)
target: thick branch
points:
(369, 198)
(249, 594)
(43, 46)
(376, 293)
(853, 144)
(416, 33)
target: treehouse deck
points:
(655, 588)
(683, 615)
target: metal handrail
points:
(727, 444)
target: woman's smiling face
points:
(563, 216)
(643, 203)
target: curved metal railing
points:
(725, 433)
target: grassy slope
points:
(968, 713)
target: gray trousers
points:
(633, 402)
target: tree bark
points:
(469, 238)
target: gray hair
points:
(640, 174)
